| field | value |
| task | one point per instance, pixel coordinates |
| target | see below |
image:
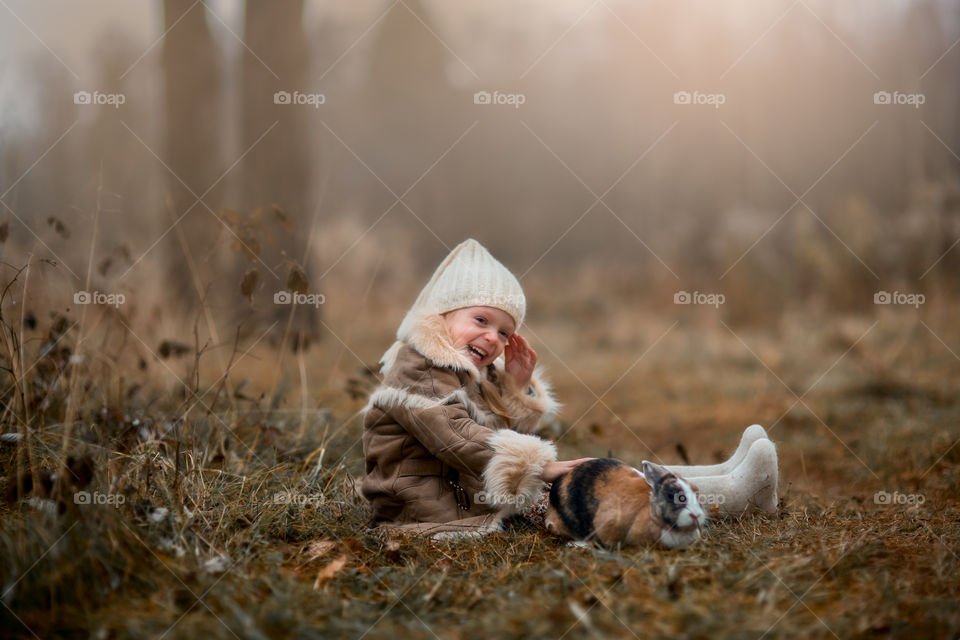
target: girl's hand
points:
(519, 360)
(554, 470)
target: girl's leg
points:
(752, 486)
(752, 434)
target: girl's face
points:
(480, 332)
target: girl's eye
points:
(504, 334)
(481, 319)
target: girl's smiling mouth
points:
(477, 353)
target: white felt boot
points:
(750, 435)
(752, 486)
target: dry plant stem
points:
(13, 347)
(23, 367)
(183, 423)
(176, 466)
(73, 381)
(24, 392)
(215, 429)
(301, 361)
(195, 274)
(286, 332)
(197, 352)
(280, 351)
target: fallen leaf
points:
(329, 571)
(317, 548)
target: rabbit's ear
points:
(652, 473)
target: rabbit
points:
(614, 504)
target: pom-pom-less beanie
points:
(468, 277)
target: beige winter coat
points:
(438, 458)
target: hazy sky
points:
(68, 32)
(69, 29)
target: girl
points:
(450, 434)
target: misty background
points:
(789, 180)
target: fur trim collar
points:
(428, 334)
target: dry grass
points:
(205, 545)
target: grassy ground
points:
(241, 517)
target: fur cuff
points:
(521, 402)
(514, 476)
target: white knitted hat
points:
(468, 277)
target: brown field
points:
(240, 514)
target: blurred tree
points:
(278, 102)
(408, 61)
(110, 149)
(192, 74)
(32, 199)
(410, 114)
(276, 59)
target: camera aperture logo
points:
(310, 99)
(293, 297)
(100, 99)
(712, 299)
(85, 497)
(897, 297)
(897, 98)
(512, 99)
(97, 297)
(699, 98)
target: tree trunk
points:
(192, 75)
(277, 170)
